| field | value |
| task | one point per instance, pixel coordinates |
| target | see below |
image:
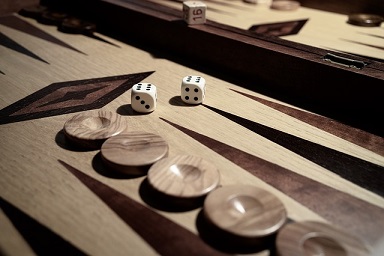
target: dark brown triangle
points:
(162, 234)
(41, 239)
(344, 210)
(14, 22)
(280, 28)
(10, 44)
(359, 137)
(363, 173)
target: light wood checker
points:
(68, 194)
(184, 176)
(315, 238)
(92, 128)
(134, 152)
(245, 211)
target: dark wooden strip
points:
(360, 43)
(354, 135)
(368, 34)
(345, 211)
(93, 36)
(70, 97)
(363, 173)
(41, 239)
(23, 26)
(13, 45)
(165, 236)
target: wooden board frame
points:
(292, 72)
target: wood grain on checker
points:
(54, 193)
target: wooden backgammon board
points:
(284, 156)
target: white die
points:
(144, 97)
(194, 12)
(193, 89)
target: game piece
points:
(285, 5)
(76, 26)
(34, 11)
(316, 238)
(184, 176)
(90, 129)
(365, 20)
(193, 89)
(144, 97)
(133, 152)
(259, 2)
(194, 12)
(52, 17)
(245, 211)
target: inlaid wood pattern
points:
(69, 97)
(184, 176)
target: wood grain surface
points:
(184, 176)
(92, 128)
(315, 238)
(133, 152)
(321, 169)
(245, 211)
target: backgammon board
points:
(57, 198)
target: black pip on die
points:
(144, 97)
(193, 89)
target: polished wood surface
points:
(133, 152)
(184, 176)
(245, 211)
(316, 238)
(92, 128)
(321, 169)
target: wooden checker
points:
(134, 152)
(91, 129)
(282, 5)
(316, 238)
(245, 211)
(184, 176)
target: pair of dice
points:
(144, 95)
